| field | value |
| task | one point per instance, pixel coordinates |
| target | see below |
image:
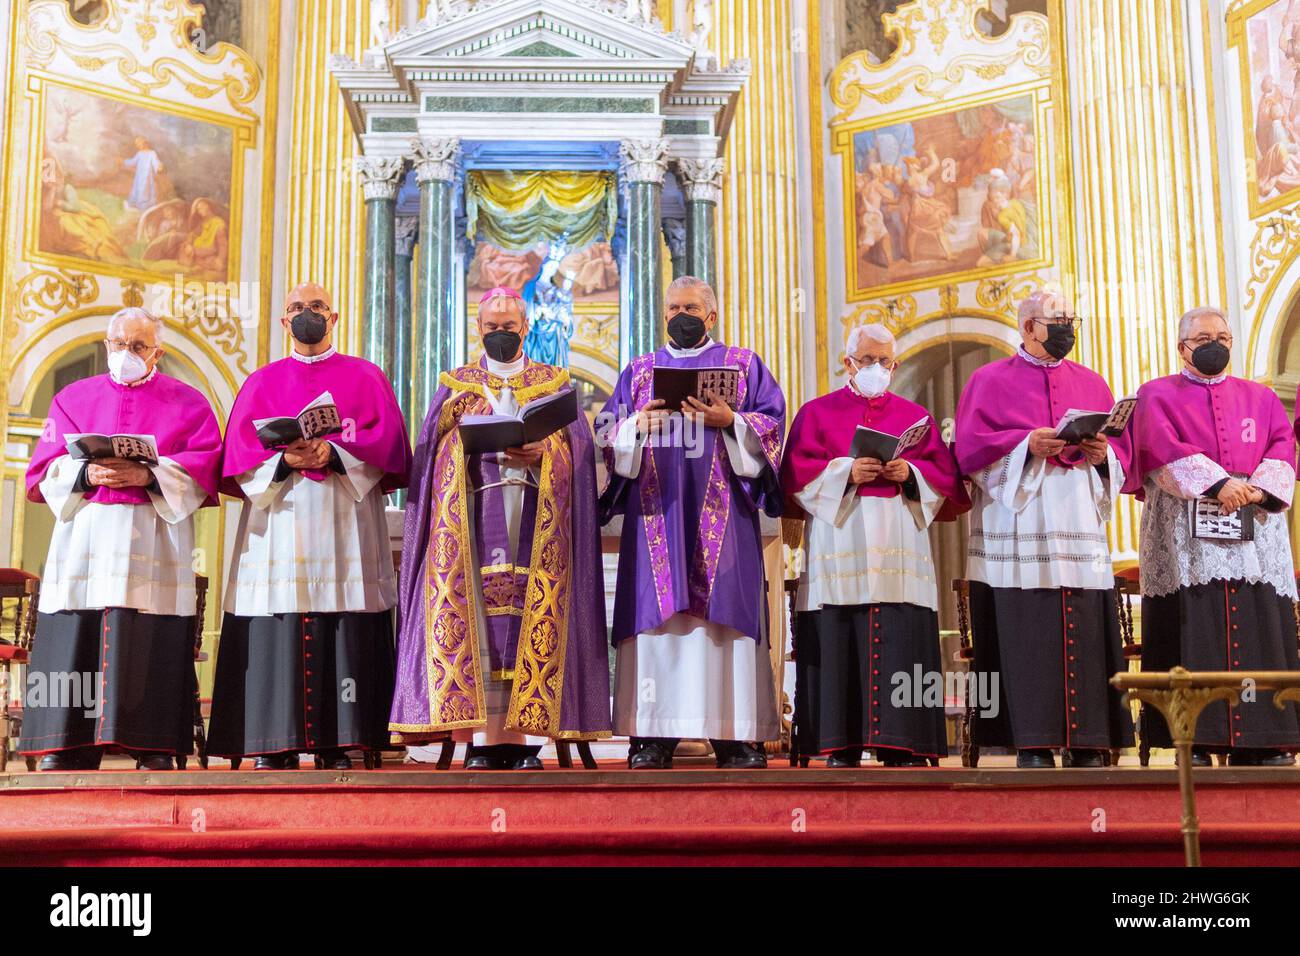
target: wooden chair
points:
(1127, 587)
(23, 589)
(970, 751)
(200, 655)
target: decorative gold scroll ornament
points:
(43, 293)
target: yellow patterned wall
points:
(758, 234)
(326, 214)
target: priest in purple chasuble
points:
(867, 624)
(306, 661)
(690, 628)
(113, 660)
(501, 636)
(1217, 604)
(1042, 599)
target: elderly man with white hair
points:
(124, 462)
(689, 629)
(1217, 598)
(868, 601)
(1042, 600)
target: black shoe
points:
(740, 755)
(527, 762)
(1260, 757)
(653, 755)
(845, 757)
(335, 760)
(1087, 759)
(271, 762)
(481, 762)
(63, 760)
(154, 761)
(1036, 759)
(1200, 758)
(902, 758)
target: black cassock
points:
(140, 671)
(1054, 651)
(302, 682)
(844, 697)
(1224, 626)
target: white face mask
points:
(126, 367)
(872, 380)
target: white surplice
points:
(1036, 524)
(308, 546)
(692, 678)
(137, 556)
(866, 550)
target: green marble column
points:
(435, 261)
(701, 181)
(402, 308)
(379, 181)
(644, 165)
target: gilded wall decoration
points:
(43, 293)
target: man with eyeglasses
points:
(306, 659)
(116, 615)
(1217, 603)
(868, 600)
(1042, 600)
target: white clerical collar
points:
(1193, 377)
(138, 382)
(505, 369)
(1034, 360)
(313, 359)
(675, 352)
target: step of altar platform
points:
(404, 815)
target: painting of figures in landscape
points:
(127, 189)
(590, 273)
(1273, 73)
(946, 194)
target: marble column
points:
(379, 181)
(403, 253)
(701, 181)
(644, 163)
(435, 162)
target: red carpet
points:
(779, 816)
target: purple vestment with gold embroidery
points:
(691, 539)
(545, 613)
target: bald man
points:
(305, 662)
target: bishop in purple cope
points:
(113, 660)
(1042, 601)
(1217, 604)
(306, 655)
(501, 628)
(690, 484)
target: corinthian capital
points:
(701, 179)
(644, 160)
(435, 158)
(379, 177)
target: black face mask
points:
(1059, 342)
(308, 327)
(1211, 358)
(501, 346)
(686, 330)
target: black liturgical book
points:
(1076, 425)
(884, 447)
(86, 447)
(484, 434)
(675, 385)
(320, 417)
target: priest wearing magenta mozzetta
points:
(868, 601)
(1221, 603)
(117, 605)
(1042, 600)
(306, 661)
(690, 483)
(502, 634)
